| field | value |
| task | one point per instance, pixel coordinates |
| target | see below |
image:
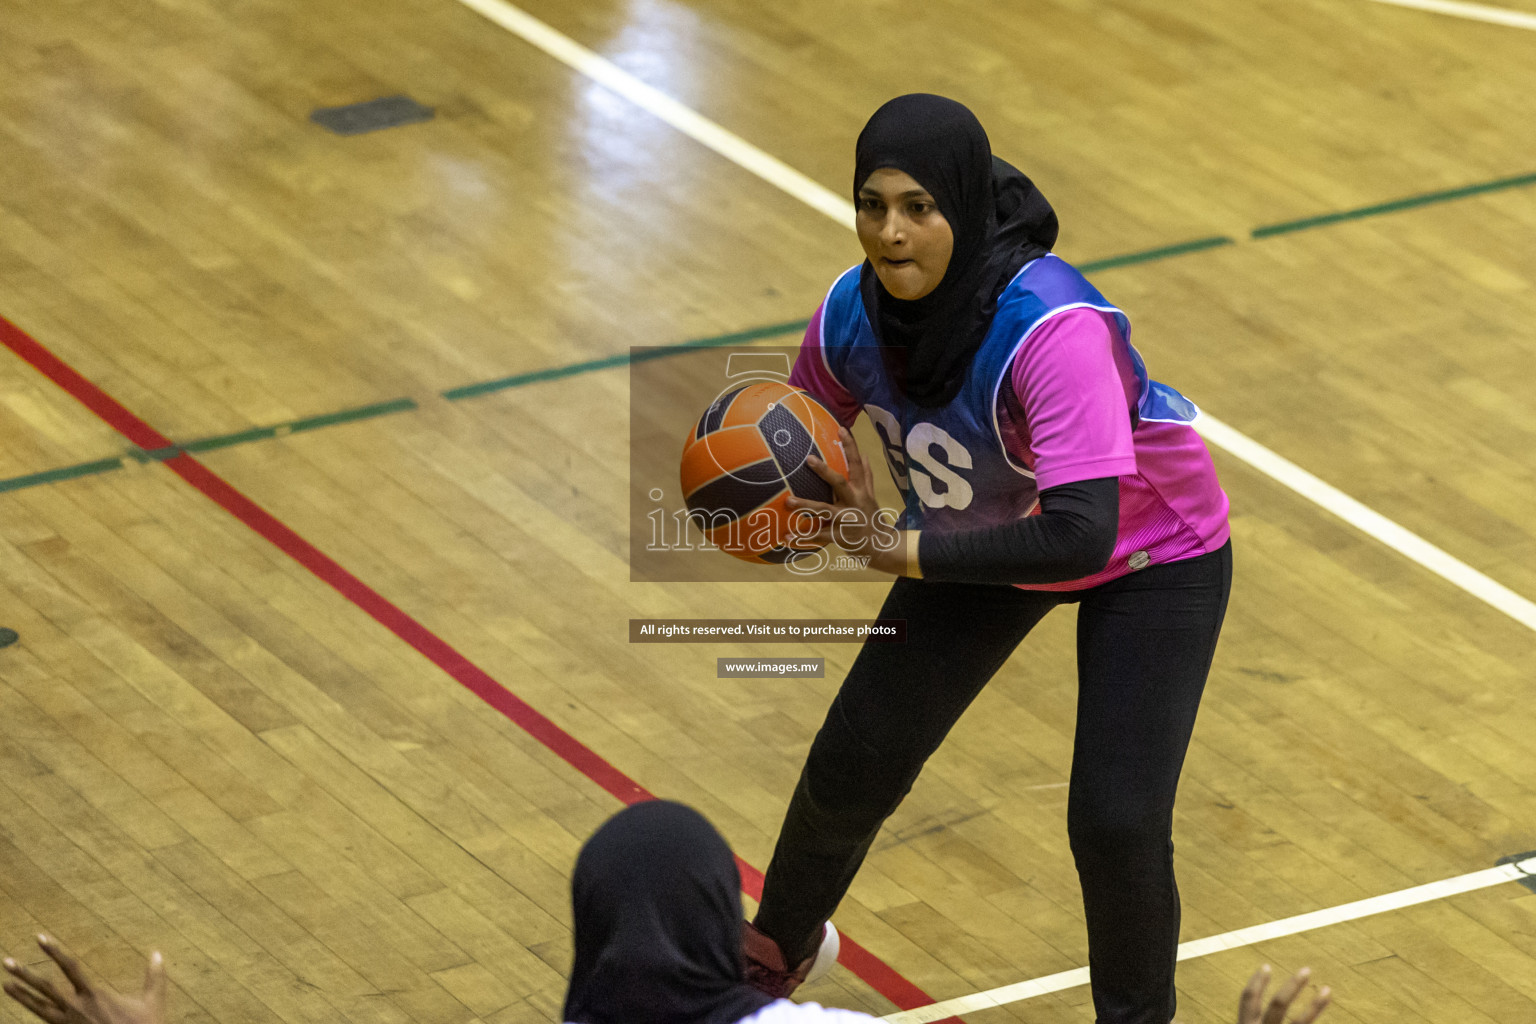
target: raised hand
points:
(90, 1002)
(1251, 1008)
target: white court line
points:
(1368, 521)
(1232, 940)
(781, 175)
(1409, 544)
(694, 125)
(1476, 12)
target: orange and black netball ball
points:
(745, 457)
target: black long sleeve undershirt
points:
(1072, 537)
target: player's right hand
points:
(1251, 1008)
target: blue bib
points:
(949, 462)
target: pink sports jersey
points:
(1067, 417)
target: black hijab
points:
(657, 902)
(1000, 222)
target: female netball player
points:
(656, 901)
(1001, 384)
(657, 908)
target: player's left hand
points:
(90, 1002)
(853, 519)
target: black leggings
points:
(1144, 647)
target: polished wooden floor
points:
(207, 750)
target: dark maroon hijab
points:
(1000, 222)
(657, 903)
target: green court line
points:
(145, 455)
(771, 331)
(208, 444)
(376, 409)
(570, 370)
(1408, 203)
(50, 476)
(363, 412)
(1198, 245)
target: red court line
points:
(874, 971)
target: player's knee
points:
(1118, 829)
(847, 782)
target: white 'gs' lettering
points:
(920, 444)
(889, 429)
